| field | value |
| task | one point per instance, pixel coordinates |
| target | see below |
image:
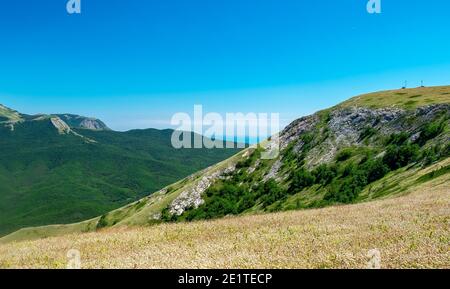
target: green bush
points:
(348, 170)
(430, 155)
(244, 163)
(102, 223)
(289, 155)
(308, 140)
(249, 160)
(400, 156)
(375, 170)
(324, 174)
(344, 155)
(221, 199)
(343, 192)
(398, 139)
(271, 192)
(301, 179)
(368, 132)
(446, 151)
(166, 216)
(353, 180)
(431, 131)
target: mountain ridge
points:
(9, 117)
(353, 152)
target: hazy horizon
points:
(134, 65)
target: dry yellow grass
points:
(402, 98)
(411, 231)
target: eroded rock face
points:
(77, 121)
(92, 124)
(274, 170)
(300, 126)
(429, 112)
(60, 125)
(192, 197)
(345, 127)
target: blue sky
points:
(134, 63)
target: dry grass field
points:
(411, 231)
(402, 98)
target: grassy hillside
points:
(53, 177)
(344, 155)
(402, 98)
(8, 115)
(410, 231)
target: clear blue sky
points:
(133, 63)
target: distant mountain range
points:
(10, 118)
(63, 168)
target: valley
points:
(64, 168)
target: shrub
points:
(244, 163)
(344, 155)
(325, 116)
(375, 169)
(307, 139)
(247, 201)
(289, 155)
(400, 156)
(368, 132)
(446, 151)
(343, 192)
(271, 192)
(431, 131)
(398, 139)
(249, 160)
(166, 216)
(430, 155)
(348, 170)
(222, 198)
(359, 178)
(102, 223)
(301, 179)
(354, 179)
(324, 174)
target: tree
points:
(324, 174)
(400, 156)
(301, 179)
(343, 192)
(431, 131)
(272, 192)
(376, 169)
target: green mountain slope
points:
(52, 172)
(370, 147)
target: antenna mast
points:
(406, 85)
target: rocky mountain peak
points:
(77, 121)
